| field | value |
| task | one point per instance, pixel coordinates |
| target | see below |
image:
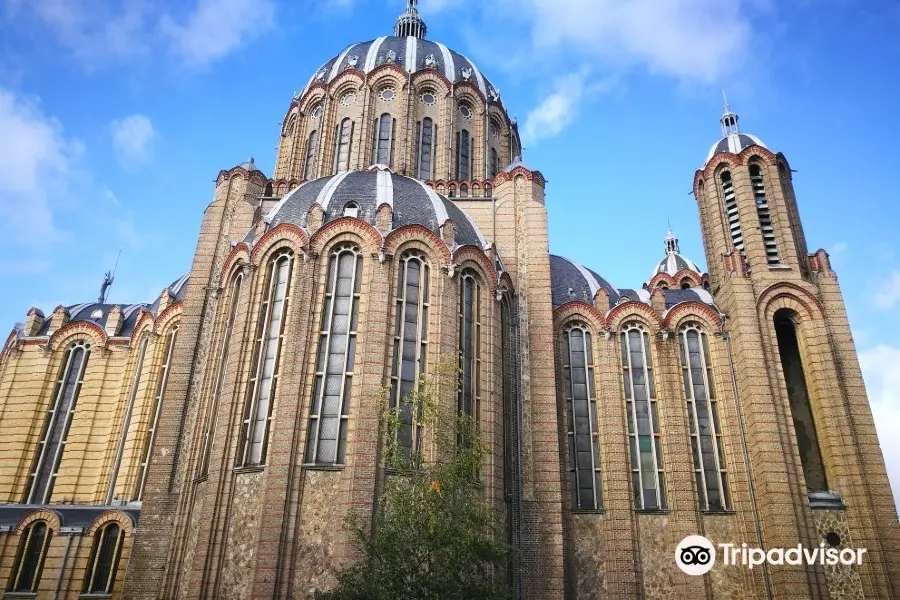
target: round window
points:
(494, 131)
(429, 97)
(316, 112)
(465, 111)
(348, 98)
(387, 94)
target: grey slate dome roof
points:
(734, 143)
(673, 263)
(571, 282)
(411, 200)
(411, 53)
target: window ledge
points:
(652, 511)
(249, 469)
(826, 500)
(717, 512)
(20, 594)
(200, 478)
(94, 595)
(588, 511)
(315, 467)
(780, 267)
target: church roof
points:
(412, 203)
(570, 282)
(734, 143)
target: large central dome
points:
(411, 53)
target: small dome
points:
(249, 165)
(412, 203)
(734, 143)
(571, 282)
(413, 54)
(674, 262)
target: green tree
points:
(433, 536)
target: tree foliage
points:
(433, 537)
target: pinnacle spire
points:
(729, 120)
(671, 243)
(410, 24)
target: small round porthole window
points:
(348, 98)
(833, 539)
(316, 112)
(387, 94)
(428, 97)
(465, 111)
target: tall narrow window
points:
(703, 419)
(798, 397)
(425, 149)
(647, 479)
(309, 169)
(29, 561)
(731, 212)
(581, 405)
(126, 420)
(150, 436)
(343, 144)
(104, 560)
(469, 393)
(56, 426)
(266, 359)
(765, 217)
(384, 141)
(330, 407)
(410, 346)
(494, 163)
(463, 152)
(230, 317)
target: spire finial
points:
(410, 24)
(671, 242)
(729, 120)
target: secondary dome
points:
(674, 262)
(413, 54)
(733, 140)
(360, 194)
(571, 282)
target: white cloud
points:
(888, 294)
(557, 110)
(132, 139)
(38, 158)
(217, 27)
(882, 376)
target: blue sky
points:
(117, 115)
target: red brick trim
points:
(167, 317)
(341, 225)
(506, 279)
(240, 250)
(734, 160)
(503, 176)
(285, 232)
(420, 233)
(469, 253)
(381, 70)
(433, 75)
(123, 519)
(9, 345)
(92, 330)
(145, 321)
(696, 310)
(634, 309)
(225, 175)
(315, 86)
(791, 290)
(469, 87)
(579, 309)
(54, 520)
(343, 77)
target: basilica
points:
(210, 443)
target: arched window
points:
(488, 190)
(765, 217)
(104, 561)
(464, 190)
(410, 346)
(126, 420)
(56, 425)
(351, 209)
(686, 284)
(469, 394)
(581, 408)
(463, 156)
(703, 418)
(426, 133)
(343, 144)
(647, 478)
(731, 211)
(312, 149)
(330, 407)
(266, 359)
(229, 317)
(798, 397)
(384, 140)
(268, 191)
(29, 562)
(150, 436)
(494, 163)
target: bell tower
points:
(815, 469)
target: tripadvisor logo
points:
(696, 555)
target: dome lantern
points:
(410, 24)
(729, 120)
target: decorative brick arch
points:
(678, 314)
(124, 521)
(53, 519)
(9, 345)
(634, 310)
(433, 76)
(579, 310)
(286, 233)
(309, 101)
(62, 336)
(316, 86)
(505, 279)
(662, 277)
(368, 234)
(240, 251)
(504, 176)
(394, 241)
(469, 91)
(167, 317)
(345, 78)
(804, 298)
(472, 254)
(388, 71)
(145, 322)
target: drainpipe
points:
(737, 402)
(69, 532)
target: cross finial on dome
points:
(410, 24)
(729, 119)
